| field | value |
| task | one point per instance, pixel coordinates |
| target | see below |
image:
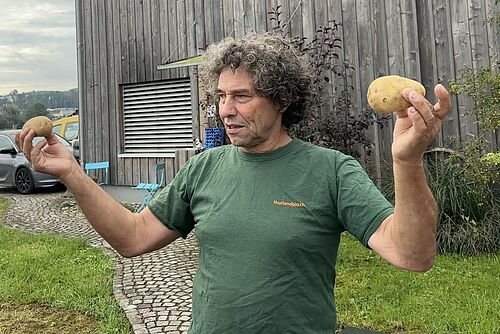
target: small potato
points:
(40, 124)
(384, 93)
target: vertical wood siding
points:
(123, 41)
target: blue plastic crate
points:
(214, 137)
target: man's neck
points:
(280, 141)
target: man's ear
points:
(282, 109)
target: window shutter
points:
(157, 116)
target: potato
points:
(384, 93)
(40, 124)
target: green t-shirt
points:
(268, 227)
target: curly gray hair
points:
(279, 72)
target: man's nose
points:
(227, 107)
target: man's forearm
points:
(110, 219)
(415, 216)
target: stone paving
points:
(154, 289)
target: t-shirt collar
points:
(271, 155)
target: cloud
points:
(37, 45)
(37, 14)
(16, 37)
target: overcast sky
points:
(37, 45)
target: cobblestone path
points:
(153, 289)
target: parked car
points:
(16, 170)
(69, 129)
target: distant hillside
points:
(51, 99)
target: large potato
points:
(384, 93)
(40, 124)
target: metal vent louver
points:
(157, 116)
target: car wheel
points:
(24, 181)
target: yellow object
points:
(384, 93)
(40, 124)
(67, 127)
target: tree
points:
(51, 99)
(35, 109)
(13, 96)
(10, 116)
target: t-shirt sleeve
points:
(172, 205)
(361, 205)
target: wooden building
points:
(134, 114)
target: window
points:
(57, 129)
(71, 131)
(157, 117)
(5, 143)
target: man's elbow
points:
(127, 254)
(420, 265)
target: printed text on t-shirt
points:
(293, 204)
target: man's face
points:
(251, 122)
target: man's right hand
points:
(49, 156)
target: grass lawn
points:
(51, 284)
(458, 295)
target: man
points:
(268, 210)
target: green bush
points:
(468, 210)
(465, 181)
(483, 86)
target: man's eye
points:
(241, 97)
